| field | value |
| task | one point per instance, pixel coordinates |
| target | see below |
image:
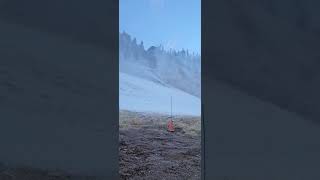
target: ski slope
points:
(142, 95)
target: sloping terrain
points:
(137, 94)
(149, 78)
(180, 69)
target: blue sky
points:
(173, 23)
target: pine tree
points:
(134, 41)
(141, 45)
(183, 52)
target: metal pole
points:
(171, 109)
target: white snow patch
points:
(141, 95)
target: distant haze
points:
(174, 24)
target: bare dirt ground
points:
(149, 151)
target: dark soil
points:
(154, 153)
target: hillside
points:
(141, 95)
(179, 69)
(149, 78)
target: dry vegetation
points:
(149, 151)
(190, 125)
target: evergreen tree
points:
(134, 41)
(141, 45)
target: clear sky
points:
(173, 23)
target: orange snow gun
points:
(170, 126)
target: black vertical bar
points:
(203, 147)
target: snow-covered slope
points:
(138, 94)
(148, 79)
(179, 69)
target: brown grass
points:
(186, 124)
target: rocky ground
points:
(149, 151)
